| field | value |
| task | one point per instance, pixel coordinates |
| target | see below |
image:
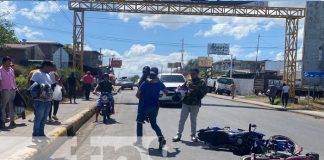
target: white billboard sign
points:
(218, 48)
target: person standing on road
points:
(272, 94)
(43, 101)
(233, 89)
(87, 84)
(8, 89)
(148, 95)
(54, 78)
(285, 95)
(197, 89)
(71, 85)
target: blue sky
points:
(141, 39)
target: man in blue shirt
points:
(148, 95)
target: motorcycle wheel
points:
(313, 156)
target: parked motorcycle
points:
(239, 141)
(105, 105)
(282, 148)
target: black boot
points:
(162, 143)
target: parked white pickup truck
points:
(211, 84)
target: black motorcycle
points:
(239, 141)
(105, 104)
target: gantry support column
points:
(290, 56)
(78, 39)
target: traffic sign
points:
(314, 74)
(116, 63)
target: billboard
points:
(205, 62)
(116, 63)
(313, 50)
(218, 48)
(174, 65)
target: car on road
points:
(171, 82)
(223, 85)
(211, 84)
(126, 83)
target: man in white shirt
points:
(43, 103)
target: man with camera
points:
(196, 90)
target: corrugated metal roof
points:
(20, 46)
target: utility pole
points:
(182, 52)
(257, 54)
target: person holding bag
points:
(57, 98)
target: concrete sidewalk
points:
(317, 114)
(17, 141)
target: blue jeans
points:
(151, 113)
(42, 109)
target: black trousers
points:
(55, 106)
(72, 93)
(284, 99)
(87, 90)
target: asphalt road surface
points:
(115, 140)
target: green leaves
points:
(7, 34)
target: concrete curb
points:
(315, 114)
(70, 127)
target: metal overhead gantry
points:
(292, 16)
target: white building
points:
(61, 58)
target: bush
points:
(277, 101)
(22, 85)
(19, 70)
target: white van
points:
(171, 82)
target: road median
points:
(56, 136)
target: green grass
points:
(251, 97)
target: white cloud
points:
(238, 27)
(126, 16)
(298, 4)
(252, 55)
(140, 50)
(7, 10)
(86, 47)
(169, 21)
(138, 56)
(28, 33)
(279, 56)
(41, 11)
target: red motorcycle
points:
(282, 148)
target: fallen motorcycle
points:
(240, 142)
(104, 105)
(282, 148)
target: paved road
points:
(118, 137)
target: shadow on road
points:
(193, 144)
(17, 125)
(159, 153)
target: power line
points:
(127, 40)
